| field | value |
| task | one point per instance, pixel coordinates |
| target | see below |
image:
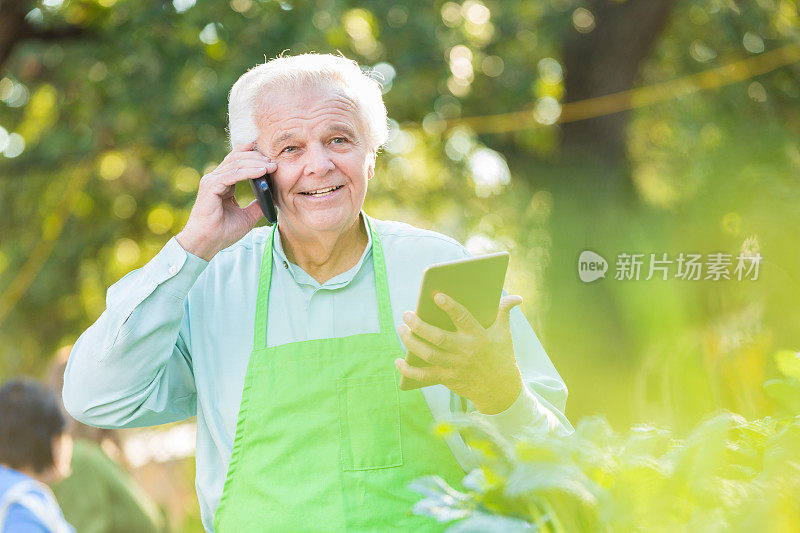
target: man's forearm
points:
(119, 364)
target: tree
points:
(603, 57)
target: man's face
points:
(317, 140)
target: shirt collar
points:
(301, 277)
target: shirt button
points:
(173, 269)
(285, 264)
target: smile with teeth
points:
(322, 192)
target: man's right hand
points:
(216, 220)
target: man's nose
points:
(318, 160)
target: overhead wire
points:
(637, 97)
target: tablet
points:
(474, 282)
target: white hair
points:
(306, 70)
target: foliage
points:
(786, 390)
(727, 474)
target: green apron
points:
(325, 441)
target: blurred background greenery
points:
(111, 110)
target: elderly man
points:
(283, 340)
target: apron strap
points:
(381, 286)
(262, 301)
(381, 281)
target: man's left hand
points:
(476, 363)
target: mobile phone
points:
(475, 282)
(262, 189)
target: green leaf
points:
(443, 502)
(785, 392)
(479, 522)
(788, 363)
(543, 477)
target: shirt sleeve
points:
(133, 366)
(542, 400)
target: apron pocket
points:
(369, 422)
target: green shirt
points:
(100, 497)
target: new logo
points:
(591, 266)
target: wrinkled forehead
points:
(281, 108)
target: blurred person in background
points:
(100, 496)
(287, 341)
(34, 452)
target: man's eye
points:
(290, 148)
(342, 139)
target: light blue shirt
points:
(176, 336)
(28, 506)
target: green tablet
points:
(474, 282)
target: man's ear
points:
(371, 165)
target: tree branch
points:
(52, 34)
(14, 29)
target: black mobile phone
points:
(262, 189)
(475, 282)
